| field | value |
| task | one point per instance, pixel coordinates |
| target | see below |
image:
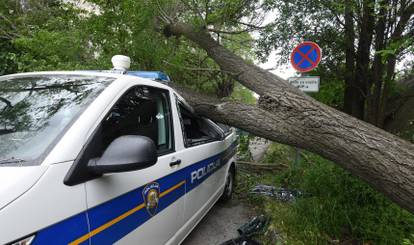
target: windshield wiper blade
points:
(11, 160)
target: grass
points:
(340, 209)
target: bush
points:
(243, 152)
(344, 207)
(338, 208)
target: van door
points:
(140, 206)
(202, 162)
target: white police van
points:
(103, 158)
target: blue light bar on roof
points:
(153, 75)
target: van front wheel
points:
(229, 187)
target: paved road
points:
(220, 224)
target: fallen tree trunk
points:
(259, 167)
(286, 115)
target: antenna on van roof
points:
(121, 63)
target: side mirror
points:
(126, 153)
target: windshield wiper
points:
(11, 160)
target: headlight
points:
(25, 241)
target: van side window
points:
(141, 111)
(197, 130)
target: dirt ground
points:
(220, 224)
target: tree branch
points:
(195, 10)
(286, 115)
(197, 68)
(227, 32)
(163, 15)
(12, 25)
(7, 102)
(405, 16)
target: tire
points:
(229, 187)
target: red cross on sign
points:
(306, 56)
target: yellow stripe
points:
(121, 217)
(172, 188)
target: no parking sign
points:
(306, 56)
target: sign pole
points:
(297, 149)
(304, 58)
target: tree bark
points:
(363, 59)
(405, 16)
(375, 86)
(386, 90)
(286, 115)
(350, 86)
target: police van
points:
(106, 157)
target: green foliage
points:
(223, 12)
(50, 50)
(326, 23)
(51, 35)
(408, 241)
(43, 36)
(243, 94)
(7, 58)
(309, 21)
(338, 207)
(395, 47)
(278, 153)
(343, 207)
(243, 151)
(331, 93)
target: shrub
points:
(336, 208)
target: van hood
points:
(15, 181)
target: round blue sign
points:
(306, 56)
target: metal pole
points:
(297, 150)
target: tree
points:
(362, 41)
(286, 115)
(400, 108)
(51, 35)
(41, 35)
(282, 114)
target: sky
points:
(283, 71)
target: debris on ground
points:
(281, 194)
(256, 226)
(241, 241)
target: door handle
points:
(176, 162)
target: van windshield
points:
(36, 110)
